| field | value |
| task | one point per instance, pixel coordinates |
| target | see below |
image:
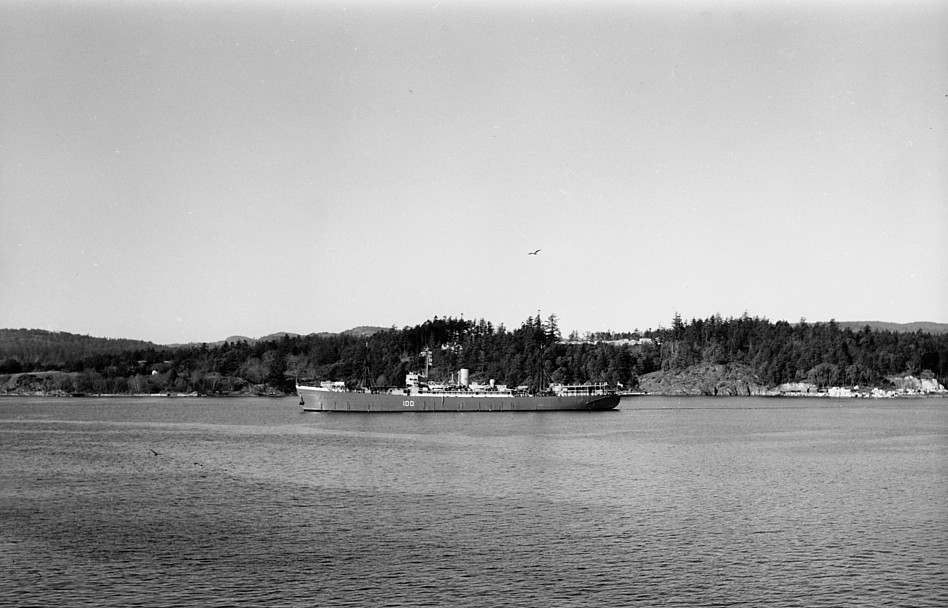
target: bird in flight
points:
(154, 452)
(534, 252)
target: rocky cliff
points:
(917, 385)
(704, 379)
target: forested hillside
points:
(29, 349)
(823, 354)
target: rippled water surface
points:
(674, 502)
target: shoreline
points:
(56, 395)
(878, 394)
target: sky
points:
(184, 172)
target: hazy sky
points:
(186, 171)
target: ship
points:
(460, 396)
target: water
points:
(674, 502)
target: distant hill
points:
(234, 339)
(363, 330)
(29, 344)
(278, 336)
(925, 326)
(268, 338)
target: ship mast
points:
(540, 354)
(366, 381)
(426, 353)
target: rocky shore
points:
(735, 379)
(49, 384)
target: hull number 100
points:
(408, 403)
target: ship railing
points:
(582, 390)
(469, 393)
(335, 386)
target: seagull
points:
(534, 252)
(154, 452)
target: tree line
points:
(533, 354)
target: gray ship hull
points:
(314, 399)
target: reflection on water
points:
(667, 501)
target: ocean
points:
(664, 502)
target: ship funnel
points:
(463, 378)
